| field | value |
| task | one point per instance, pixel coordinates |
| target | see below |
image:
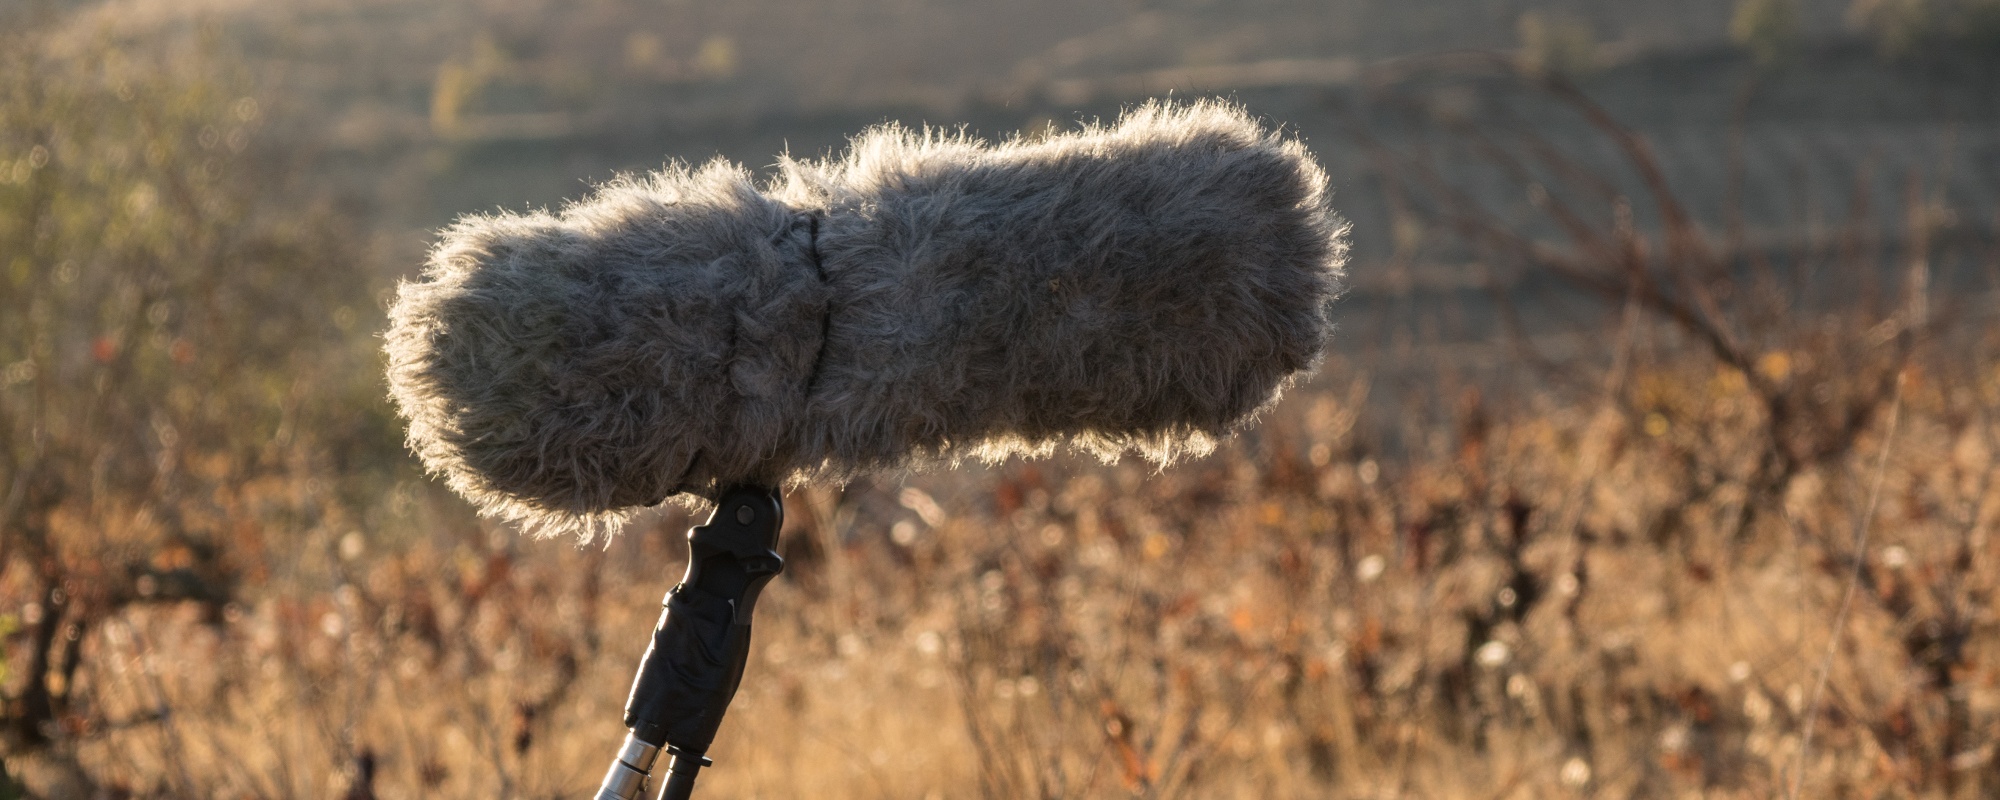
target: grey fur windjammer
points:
(1144, 287)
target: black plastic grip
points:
(699, 649)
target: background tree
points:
(172, 301)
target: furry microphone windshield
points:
(1140, 287)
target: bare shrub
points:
(174, 354)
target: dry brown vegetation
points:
(1729, 534)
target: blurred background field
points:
(1654, 457)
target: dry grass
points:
(1550, 606)
(1637, 577)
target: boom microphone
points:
(1140, 287)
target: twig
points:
(1860, 549)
